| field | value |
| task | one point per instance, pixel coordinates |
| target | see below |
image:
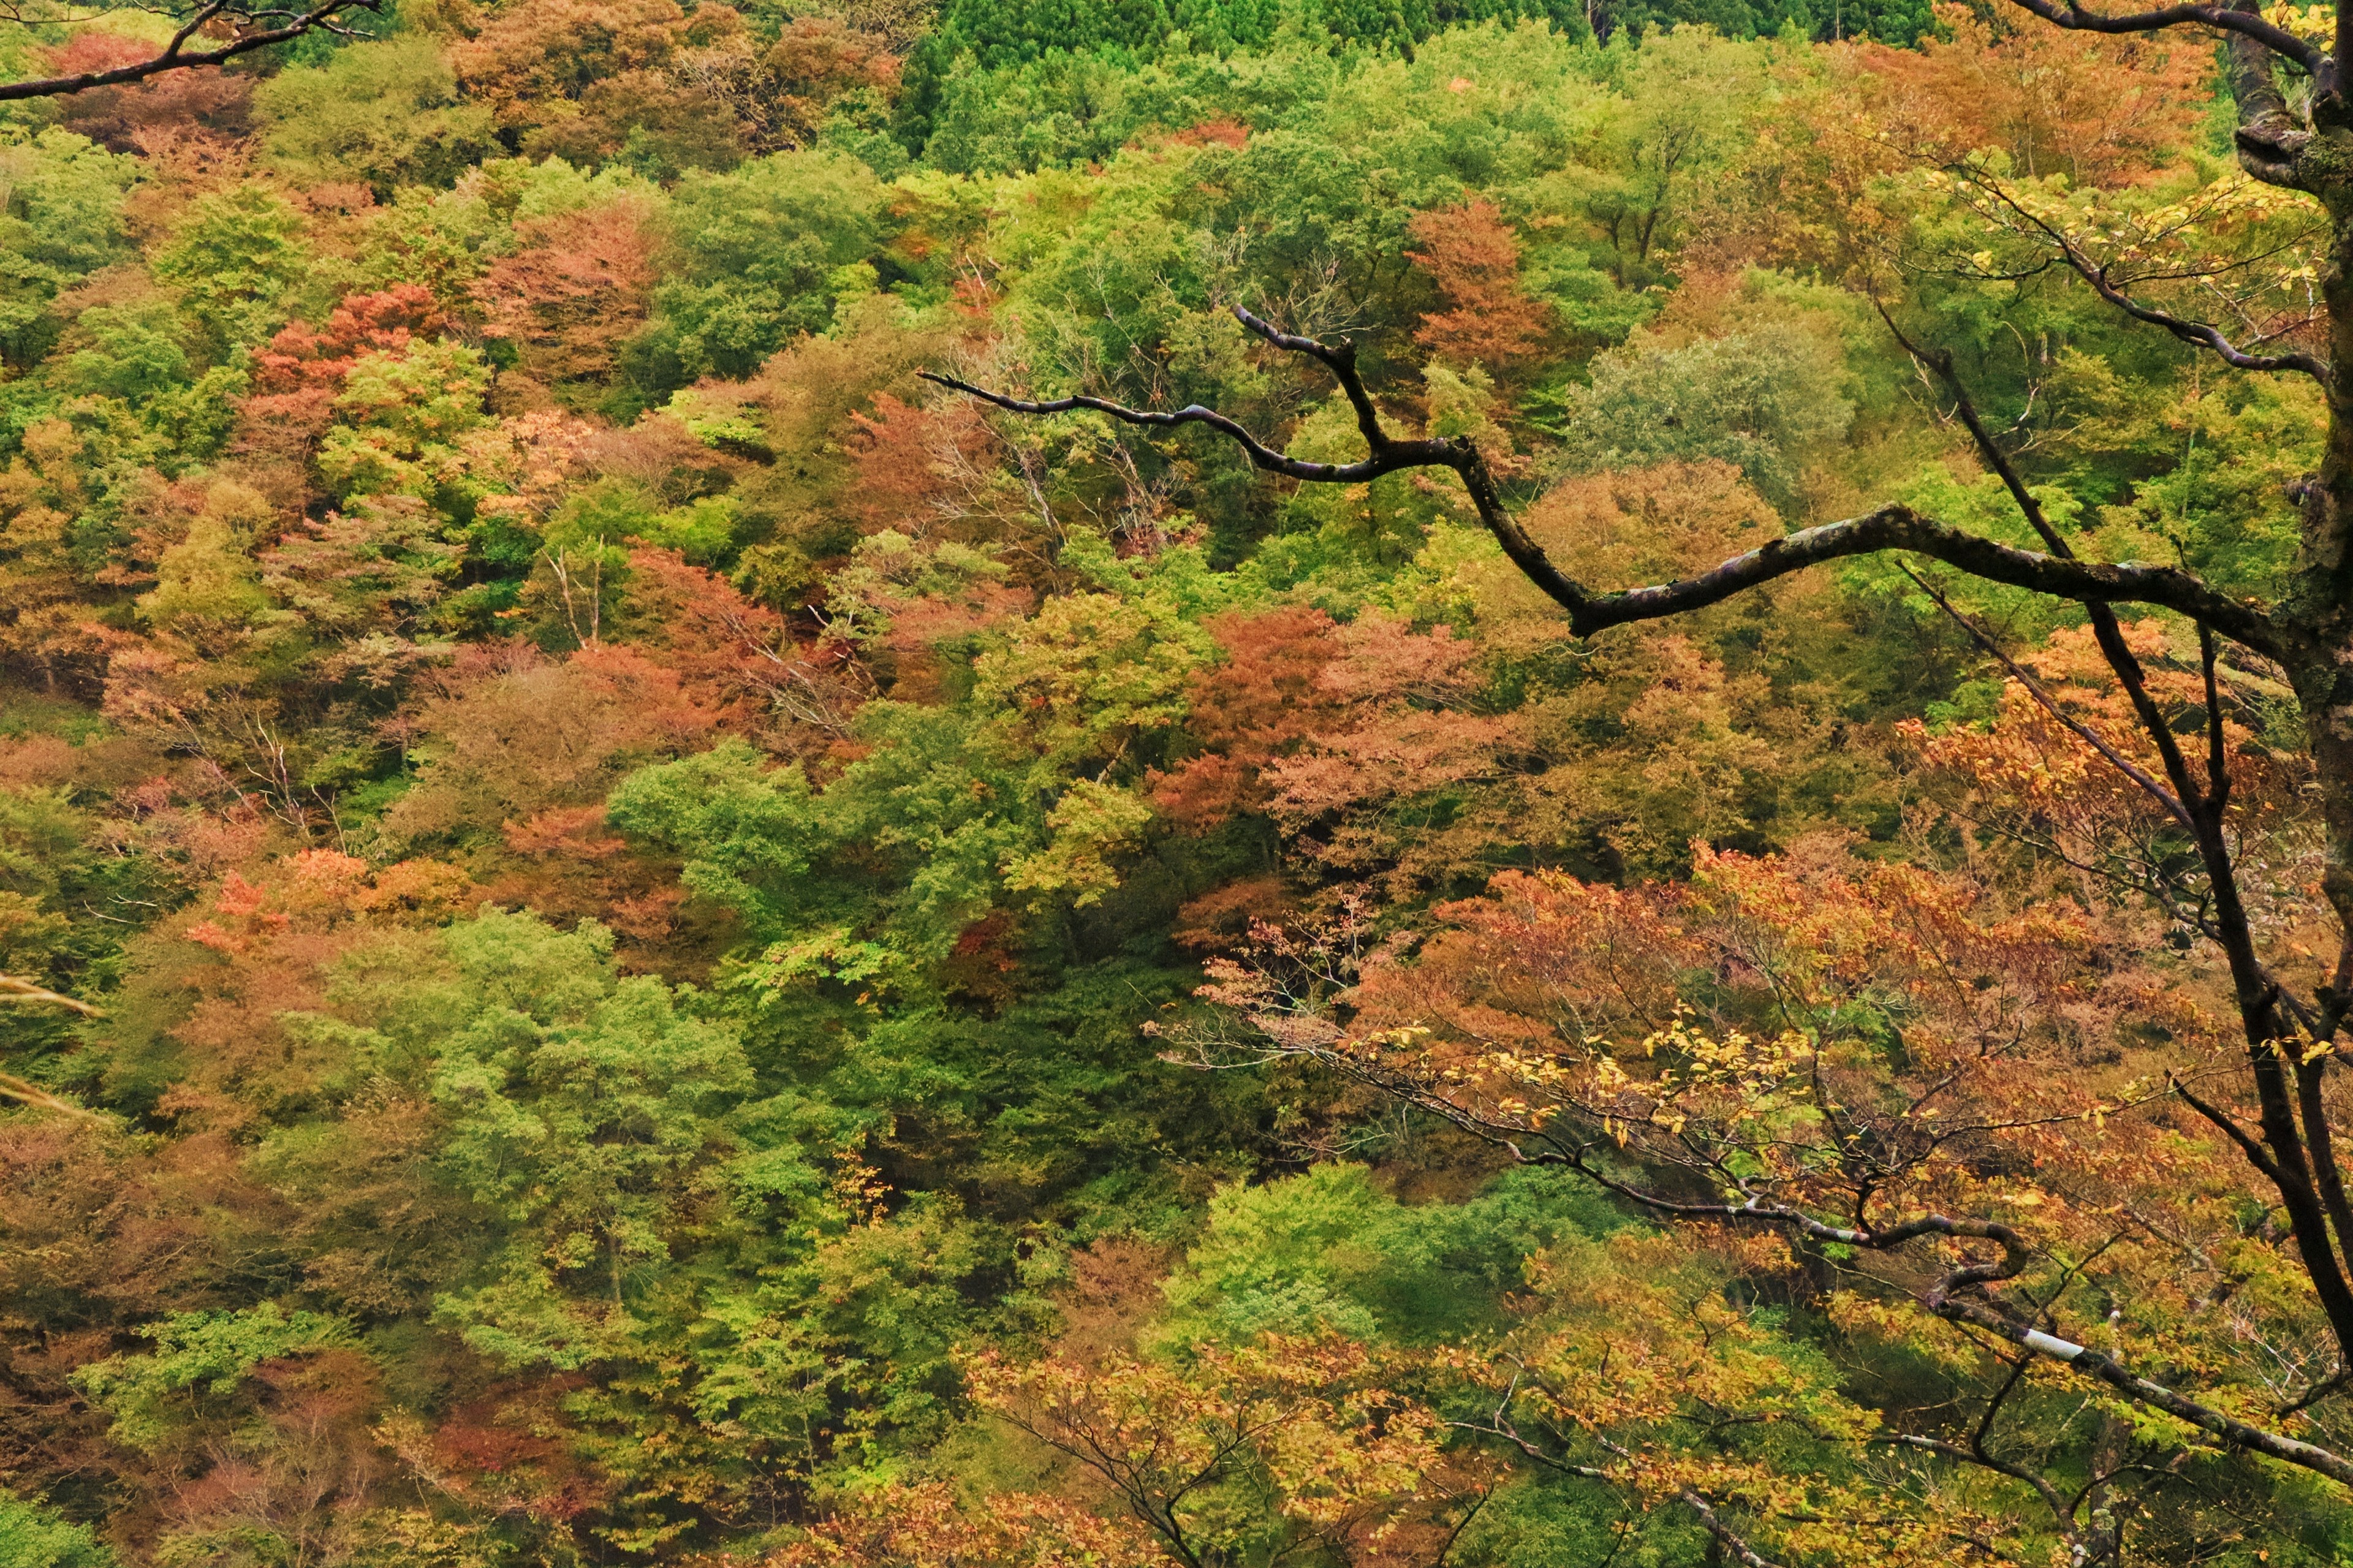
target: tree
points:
(1309, 1420)
(574, 292)
(386, 116)
(241, 26)
(1966, 1253)
(1471, 253)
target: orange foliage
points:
(2029, 761)
(1258, 704)
(1222, 132)
(1474, 257)
(576, 290)
(298, 377)
(1409, 729)
(529, 747)
(2100, 110)
(532, 61)
(107, 1232)
(276, 935)
(324, 888)
(927, 1525)
(583, 79)
(909, 460)
(1811, 192)
(1318, 725)
(2029, 780)
(816, 59)
(518, 736)
(1673, 1017)
(173, 104)
(1648, 525)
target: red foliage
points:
(730, 655)
(1257, 706)
(125, 119)
(495, 1453)
(1472, 256)
(907, 458)
(299, 376)
(1219, 132)
(574, 292)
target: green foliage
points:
(1330, 1250)
(1002, 33)
(581, 1106)
(386, 115)
(201, 1360)
(32, 1536)
(1766, 402)
(61, 219)
(136, 354)
(952, 810)
(403, 418)
(761, 247)
(236, 258)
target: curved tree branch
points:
(1891, 527)
(175, 56)
(1958, 1296)
(2314, 60)
(2197, 334)
(1897, 526)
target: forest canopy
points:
(632, 931)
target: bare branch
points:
(1739, 1551)
(174, 56)
(2198, 334)
(32, 1094)
(2245, 24)
(1974, 1455)
(15, 990)
(1891, 527)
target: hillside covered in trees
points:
(631, 934)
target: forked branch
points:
(1891, 527)
(13, 989)
(2247, 24)
(175, 55)
(1959, 1296)
(2197, 334)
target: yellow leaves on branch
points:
(2313, 24)
(928, 1525)
(1348, 1455)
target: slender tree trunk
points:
(2319, 605)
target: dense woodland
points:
(638, 936)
